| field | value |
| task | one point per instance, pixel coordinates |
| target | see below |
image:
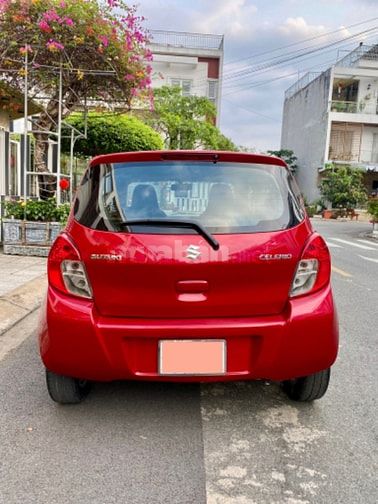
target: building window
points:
(212, 90)
(345, 90)
(184, 84)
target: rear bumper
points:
(76, 341)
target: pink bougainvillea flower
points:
(139, 36)
(134, 58)
(54, 46)
(62, 5)
(26, 49)
(52, 15)
(143, 83)
(69, 21)
(129, 77)
(104, 40)
(44, 26)
(148, 55)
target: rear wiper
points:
(187, 224)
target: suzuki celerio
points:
(188, 266)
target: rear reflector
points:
(75, 278)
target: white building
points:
(332, 117)
(12, 148)
(192, 61)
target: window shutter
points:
(186, 87)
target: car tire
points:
(66, 390)
(308, 388)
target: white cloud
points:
(298, 26)
(231, 17)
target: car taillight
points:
(66, 271)
(314, 268)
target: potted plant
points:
(343, 187)
(30, 226)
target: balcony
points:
(341, 154)
(354, 107)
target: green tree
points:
(186, 122)
(343, 186)
(288, 156)
(78, 38)
(373, 209)
(107, 133)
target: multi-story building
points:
(192, 61)
(332, 117)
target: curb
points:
(18, 303)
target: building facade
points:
(192, 61)
(332, 117)
(12, 149)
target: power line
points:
(303, 41)
(293, 56)
(251, 111)
(290, 56)
(235, 86)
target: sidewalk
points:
(22, 287)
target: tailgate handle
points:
(189, 286)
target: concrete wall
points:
(304, 131)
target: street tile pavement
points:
(16, 271)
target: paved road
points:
(240, 443)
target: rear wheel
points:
(66, 390)
(308, 388)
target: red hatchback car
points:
(188, 266)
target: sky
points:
(252, 102)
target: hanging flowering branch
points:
(99, 44)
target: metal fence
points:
(351, 59)
(186, 39)
(301, 83)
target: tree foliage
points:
(81, 37)
(288, 156)
(109, 133)
(343, 186)
(373, 209)
(186, 122)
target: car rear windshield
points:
(222, 197)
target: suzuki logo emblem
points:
(193, 252)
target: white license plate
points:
(192, 357)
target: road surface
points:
(239, 443)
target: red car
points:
(188, 266)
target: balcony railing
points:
(352, 58)
(364, 156)
(186, 39)
(360, 107)
(301, 83)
